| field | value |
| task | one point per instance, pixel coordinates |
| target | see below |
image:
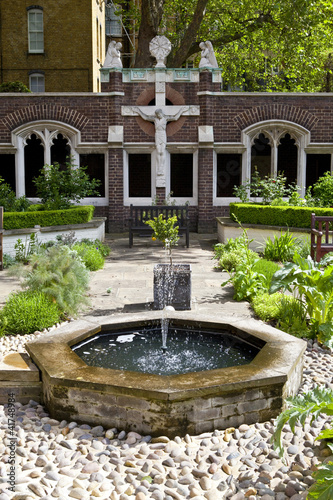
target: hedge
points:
(250, 213)
(76, 215)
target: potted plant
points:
(172, 282)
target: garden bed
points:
(94, 229)
(227, 228)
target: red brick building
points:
(213, 147)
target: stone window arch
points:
(287, 142)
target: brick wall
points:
(228, 113)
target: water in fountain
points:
(189, 349)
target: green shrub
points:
(59, 188)
(8, 199)
(76, 215)
(91, 257)
(281, 248)
(25, 312)
(267, 306)
(233, 259)
(60, 274)
(267, 268)
(14, 87)
(8, 260)
(289, 216)
(323, 190)
(103, 248)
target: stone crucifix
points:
(160, 117)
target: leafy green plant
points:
(8, 261)
(59, 188)
(281, 248)
(323, 191)
(313, 403)
(312, 284)
(28, 311)
(91, 257)
(23, 251)
(165, 230)
(232, 253)
(60, 274)
(267, 268)
(267, 306)
(14, 87)
(9, 201)
(103, 248)
(268, 188)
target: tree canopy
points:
(281, 45)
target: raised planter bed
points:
(92, 230)
(227, 228)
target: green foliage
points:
(58, 188)
(313, 403)
(28, 311)
(8, 199)
(313, 285)
(285, 216)
(323, 191)
(75, 215)
(269, 188)
(103, 248)
(165, 230)
(267, 307)
(8, 261)
(14, 87)
(60, 274)
(23, 251)
(91, 257)
(267, 269)
(231, 255)
(281, 248)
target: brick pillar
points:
(160, 195)
(117, 216)
(206, 211)
(115, 83)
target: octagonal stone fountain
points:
(175, 404)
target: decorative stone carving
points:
(160, 120)
(160, 48)
(208, 59)
(113, 56)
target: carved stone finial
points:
(113, 56)
(160, 48)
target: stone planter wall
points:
(92, 230)
(227, 228)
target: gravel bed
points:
(65, 460)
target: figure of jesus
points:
(160, 121)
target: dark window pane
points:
(181, 182)
(7, 170)
(261, 156)
(229, 170)
(316, 166)
(60, 151)
(139, 175)
(96, 169)
(34, 162)
(287, 159)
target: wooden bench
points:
(321, 237)
(140, 214)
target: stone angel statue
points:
(208, 59)
(113, 56)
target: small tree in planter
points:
(172, 282)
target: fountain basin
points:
(170, 405)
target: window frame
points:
(128, 200)
(35, 10)
(38, 75)
(193, 200)
(111, 20)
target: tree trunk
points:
(151, 16)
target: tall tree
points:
(282, 44)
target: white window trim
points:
(46, 131)
(110, 17)
(35, 11)
(135, 200)
(193, 201)
(225, 149)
